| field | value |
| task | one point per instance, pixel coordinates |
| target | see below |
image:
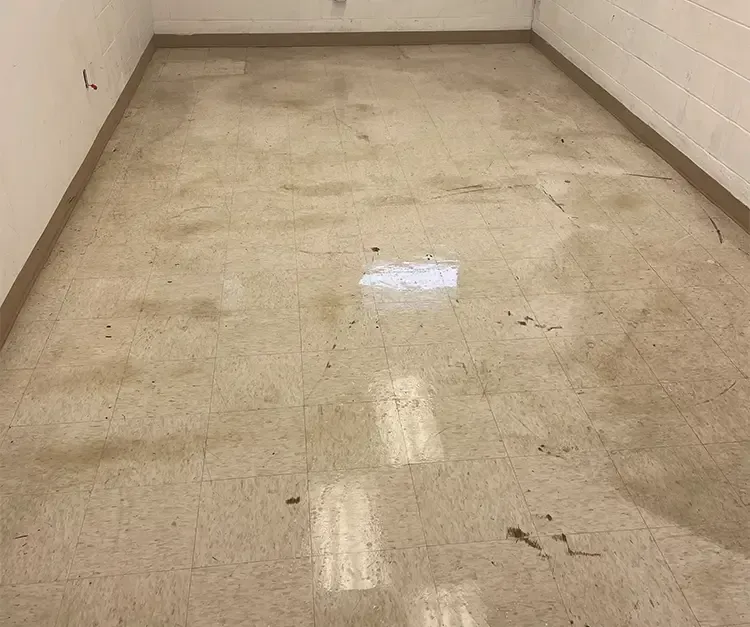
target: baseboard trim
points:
(382, 38)
(697, 176)
(21, 287)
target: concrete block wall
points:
(48, 120)
(285, 16)
(683, 66)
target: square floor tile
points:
(711, 570)
(323, 288)
(635, 416)
(24, 345)
(262, 289)
(464, 245)
(518, 365)
(620, 271)
(259, 331)
(153, 451)
(680, 485)
(38, 535)
(443, 429)
(30, 604)
(734, 461)
(549, 422)
(684, 356)
(183, 295)
(87, 343)
(524, 242)
(718, 411)
(131, 530)
(45, 299)
(558, 274)
(80, 394)
(573, 314)
(601, 361)
(151, 600)
(354, 435)
(483, 278)
(13, 384)
(253, 519)
(496, 582)
(576, 493)
(364, 510)
(340, 328)
(377, 588)
(410, 324)
(346, 376)
(257, 382)
(104, 298)
(616, 578)
(649, 310)
(278, 593)
(486, 319)
(171, 338)
(469, 501)
(165, 388)
(51, 457)
(264, 442)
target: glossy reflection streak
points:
(410, 276)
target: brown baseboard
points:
(697, 176)
(21, 287)
(384, 38)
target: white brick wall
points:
(263, 16)
(48, 120)
(683, 66)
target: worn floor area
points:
(397, 336)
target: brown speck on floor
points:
(293, 500)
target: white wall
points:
(48, 120)
(263, 16)
(683, 66)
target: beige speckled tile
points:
(717, 306)
(734, 340)
(153, 451)
(102, 259)
(80, 394)
(148, 600)
(557, 274)
(712, 569)
(364, 510)
(469, 501)
(636, 416)
(343, 327)
(573, 314)
(38, 535)
(629, 271)
(477, 279)
(734, 461)
(648, 311)
(432, 370)
(616, 578)
(443, 429)
(278, 593)
(88, 342)
(322, 288)
(548, 422)
(576, 493)
(684, 356)
(259, 331)
(485, 319)
(264, 442)
(30, 604)
(104, 298)
(24, 344)
(346, 376)
(528, 242)
(165, 388)
(679, 486)
(411, 324)
(45, 299)
(183, 295)
(601, 361)
(171, 338)
(375, 588)
(464, 244)
(261, 289)
(253, 519)
(130, 530)
(690, 268)
(257, 382)
(354, 435)
(718, 411)
(518, 365)
(491, 583)
(12, 387)
(51, 457)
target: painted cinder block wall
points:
(294, 16)
(48, 120)
(682, 66)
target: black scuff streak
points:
(718, 230)
(563, 538)
(293, 500)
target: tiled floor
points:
(397, 336)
